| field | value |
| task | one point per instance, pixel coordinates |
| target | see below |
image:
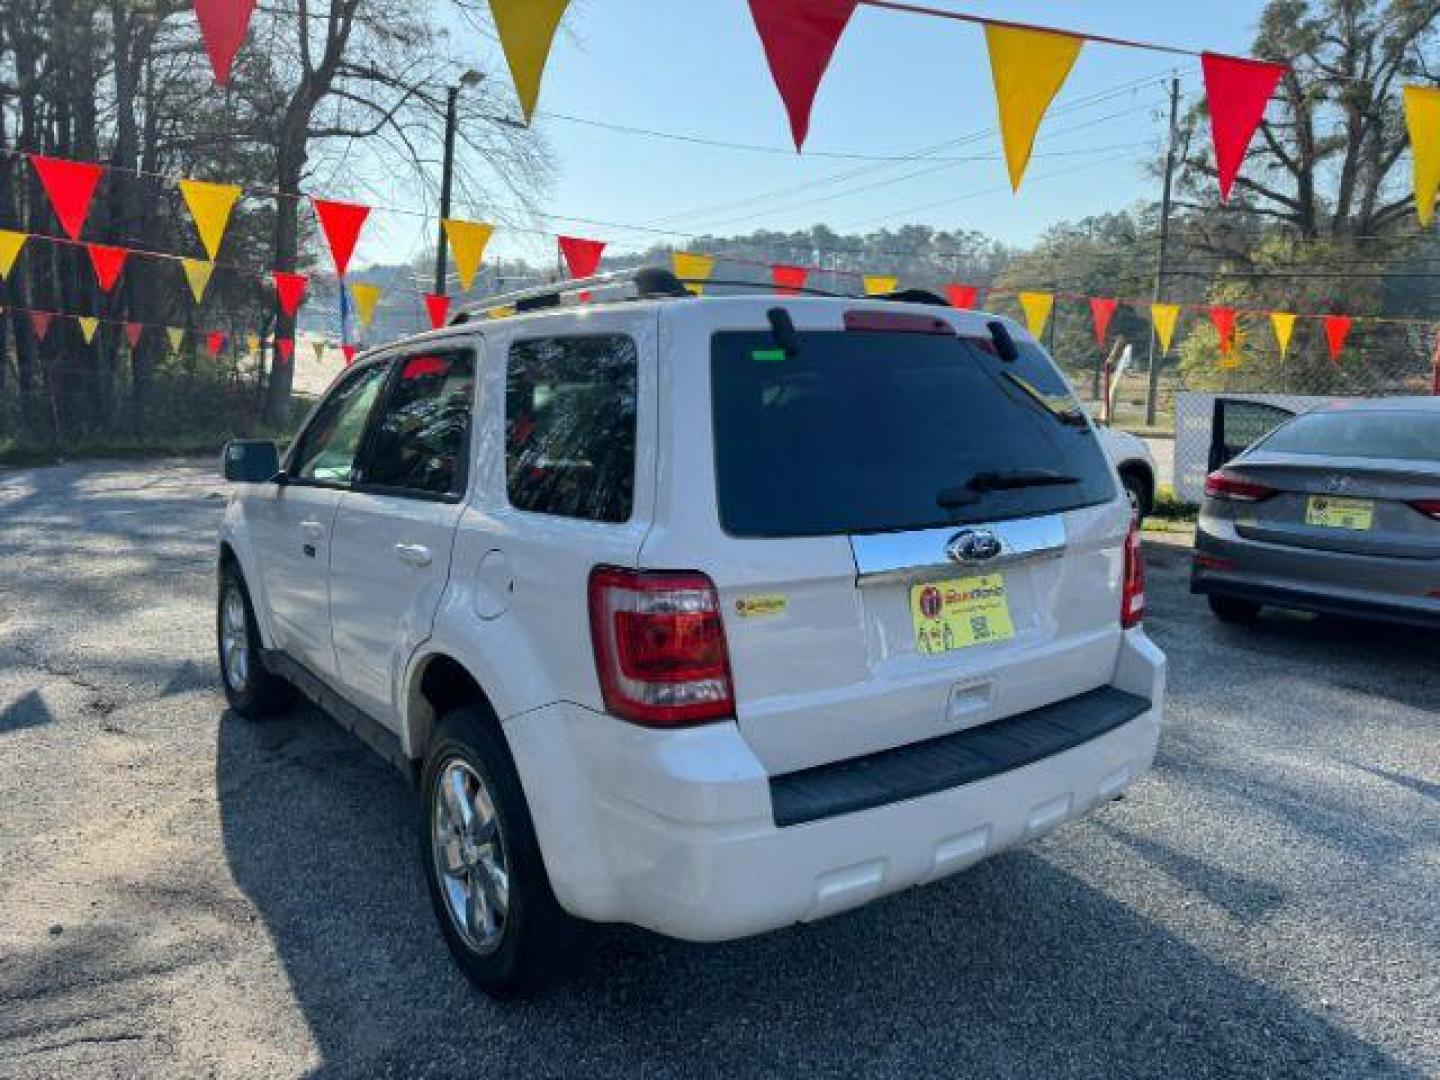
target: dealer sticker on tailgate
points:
(959, 613)
(1336, 513)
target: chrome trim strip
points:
(910, 556)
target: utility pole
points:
(447, 175)
(1153, 393)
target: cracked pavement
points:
(186, 894)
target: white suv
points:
(710, 615)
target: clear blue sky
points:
(899, 83)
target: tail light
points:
(1132, 595)
(1226, 485)
(660, 647)
(1429, 507)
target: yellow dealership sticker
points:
(1331, 512)
(959, 613)
(751, 606)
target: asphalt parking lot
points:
(184, 893)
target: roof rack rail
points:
(644, 283)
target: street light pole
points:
(1152, 392)
(447, 182)
(447, 175)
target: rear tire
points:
(482, 862)
(1137, 490)
(252, 690)
(1229, 609)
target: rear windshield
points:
(878, 432)
(1408, 436)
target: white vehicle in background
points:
(1132, 459)
(711, 615)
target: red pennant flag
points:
(289, 290)
(223, 24)
(349, 353)
(964, 297)
(581, 256)
(133, 332)
(108, 262)
(799, 37)
(215, 342)
(1224, 320)
(1337, 329)
(69, 185)
(438, 307)
(285, 346)
(1237, 89)
(789, 280)
(1103, 310)
(341, 223)
(40, 323)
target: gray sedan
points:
(1336, 511)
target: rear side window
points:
(423, 437)
(1396, 434)
(570, 426)
(879, 432)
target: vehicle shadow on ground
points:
(1016, 968)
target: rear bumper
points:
(1325, 582)
(1212, 583)
(677, 831)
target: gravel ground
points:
(183, 893)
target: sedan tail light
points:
(1132, 594)
(1429, 507)
(1226, 485)
(660, 647)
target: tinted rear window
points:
(1408, 436)
(862, 432)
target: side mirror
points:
(251, 461)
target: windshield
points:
(1393, 434)
(879, 432)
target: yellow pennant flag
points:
(197, 273)
(1037, 307)
(1422, 116)
(1164, 317)
(691, 269)
(88, 325)
(1029, 67)
(1284, 324)
(527, 30)
(176, 335)
(210, 206)
(366, 297)
(880, 285)
(10, 245)
(252, 343)
(467, 243)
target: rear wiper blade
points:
(968, 493)
(1013, 479)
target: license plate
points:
(1335, 513)
(959, 613)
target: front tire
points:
(1229, 609)
(482, 862)
(252, 690)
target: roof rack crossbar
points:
(653, 282)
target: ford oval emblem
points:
(973, 546)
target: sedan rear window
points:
(1393, 434)
(879, 432)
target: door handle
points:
(312, 530)
(413, 554)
